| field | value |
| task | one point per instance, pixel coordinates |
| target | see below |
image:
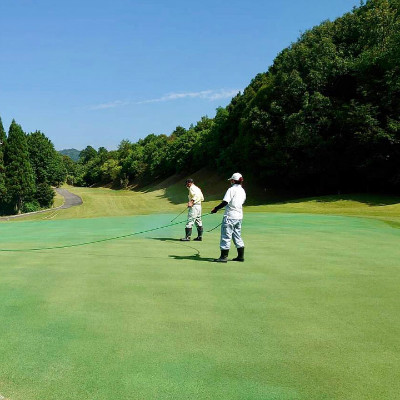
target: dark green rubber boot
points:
(223, 257)
(240, 256)
(188, 232)
(199, 234)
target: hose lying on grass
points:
(100, 240)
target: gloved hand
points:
(214, 210)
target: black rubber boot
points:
(188, 232)
(223, 257)
(199, 234)
(240, 256)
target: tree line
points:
(29, 167)
(324, 118)
(142, 162)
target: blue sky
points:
(96, 72)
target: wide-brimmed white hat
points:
(236, 176)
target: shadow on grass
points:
(178, 242)
(214, 187)
(166, 239)
(194, 257)
(393, 224)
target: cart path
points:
(70, 200)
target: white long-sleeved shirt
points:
(235, 196)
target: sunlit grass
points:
(58, 200)
(311, 314)
(105, 202)
(385, 208)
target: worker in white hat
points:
(195, 198)
(232, 221)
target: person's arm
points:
(219, 206)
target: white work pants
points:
(231, 229)
(194, 216)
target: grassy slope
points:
(170, 196)
(58, 200)
(385, 208)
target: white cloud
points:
(223, 94)
(210, 95)
(113, 104)
(204, 94)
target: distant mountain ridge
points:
(72, 153)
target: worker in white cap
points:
(232, 221)
(195, 198)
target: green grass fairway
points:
(312, 314)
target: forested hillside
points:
(324, 118)
(71, 153)
(326, 115)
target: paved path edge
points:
(70, 200)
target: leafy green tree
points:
(179, 131)
(45, 160)
(44, 195)
(179, 156)
(70, 167)
(200, 148)
(58, 169)
(153, 155)
(110, 171)
(40, 155)
(87, 154)
(47, 166)
(20, 179)
(133, 166)
(125, 160)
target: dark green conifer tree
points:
(2, 170)
(46, 162)
(20, 179)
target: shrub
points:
(30, 206)
(44, 195)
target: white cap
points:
(236, 176)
